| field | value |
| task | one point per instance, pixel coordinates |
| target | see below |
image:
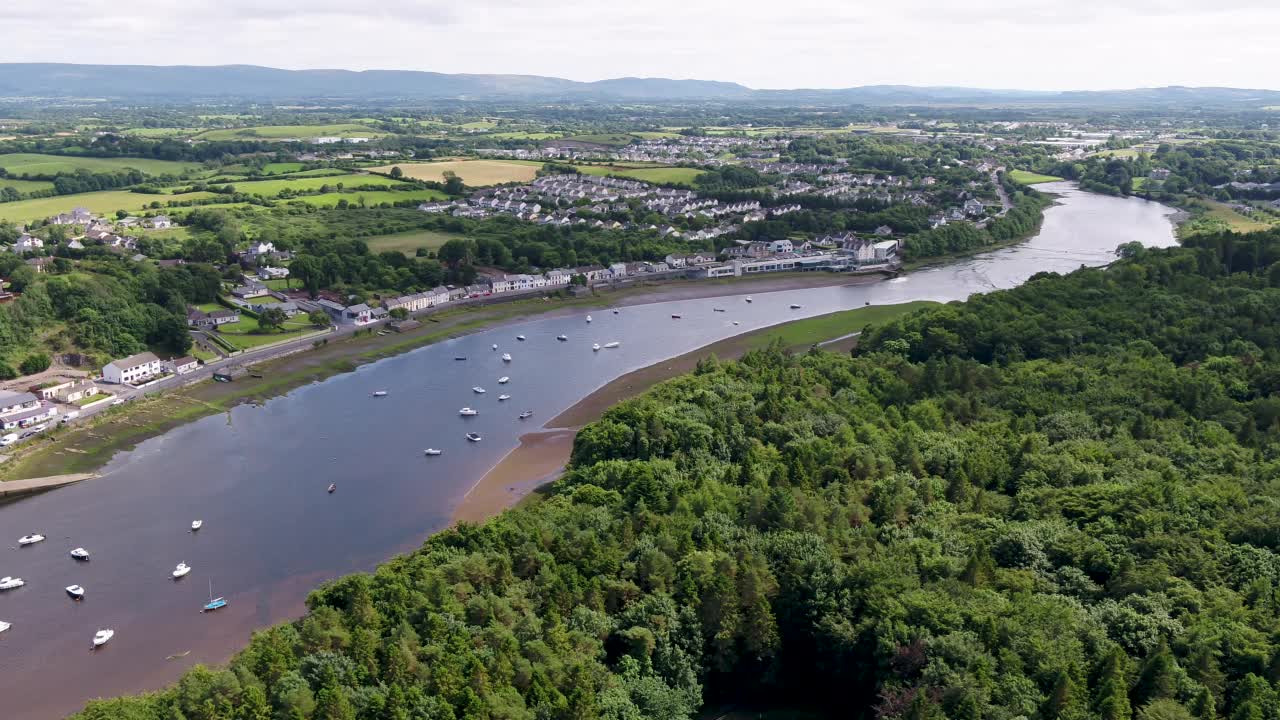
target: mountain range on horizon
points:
(174, 83)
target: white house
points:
(27, 243)
(558, 277)
(886, 249)
(23, 409)
(184, 365)
(161, 222)
(780, 246)
(133, 369)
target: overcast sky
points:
(1030, 44)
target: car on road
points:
(9, 439)
(118, 401)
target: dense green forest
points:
(1018, 224)
(1058, 502)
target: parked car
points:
(118, 401)
(9, 439)
(69, 416)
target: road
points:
(1005, 204)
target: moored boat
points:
(4, 626)
(613, 344)
(504, 397)
(102, 637)
(735, 322)
(181, 570)
(468, 412)
(495, 346)
(520, 338)
(379, 393)
(795, 306)
(432, 451)
(562, 338)
(588, 318)
(473, 437)
(459, 357)
(75, 591)
(675, 316)
(31, 539)
(595, 347)
(526, 414)
(196, 525)
(504, 380)
(214, 603)
(478, 390)
(9, 583)
(80, 554)
(332, 487)
(506, 357)
(717, 309)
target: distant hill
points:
(185, 83)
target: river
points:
(257, 475)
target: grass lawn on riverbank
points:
(811, 331)
(1024, 177)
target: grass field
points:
(659, 175)
(19, 164)
(272, 188)
(479, 125)
(1139, 183)
(476, 173)
(408, 242)
(803, 333)
(1217, 217)
(1029, 178)
(161, 132)
(609, 139)
(371, 197)
(524, 136)
(282, 168)
(1125, 153)
(26, 186)
(106, 202)
(284, 132)
(654, 135)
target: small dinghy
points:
(473, 437)
(795, 306)
(4, 626)
(735, 322)
(332, 487)
(588, 318)
(460, 357)
(504, 397)
(379, 393)
(717, 309)
(506, 357)
(31, 539)
(80, 554)
(196, 525)
(748, 298)
(611, 345)
(520, 338)
(495, 346)
(432, 452)
(562, 338)
(526, 414)
(9, 583)
(595, 347)
(468, 412)
(181, 570)
(478, 390)
(75, 591)
(615, 312)
(675, 316)
(102, 637)
(504, 380)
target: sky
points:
(1022, 44)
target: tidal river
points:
(257, 476)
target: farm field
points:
(1124, 154)
(272, 188)
(525, 136)
(1025, 177)
(409, 242)
(654, 135)
(476, 173)
(281, 168)
(609, 139)
(161, 132)
(103, 203)
(20, 164)
(658, 175)
(284, 132)
(479, 125)
(371, 197)
(26, 186)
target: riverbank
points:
(86, 448)
(541, 456)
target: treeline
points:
(110, 306)
(1020, 222)
(1080, 526)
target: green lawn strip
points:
(1025, 177)
(409, 242)
(811, 331)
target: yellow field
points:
(476, 173)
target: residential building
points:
(160, 222)
(974, 207)
(884, 231)
(184, 365)
(133, 369)
(886, 249)
(359, 314)
(198, 318)
(23, 409)
(558, 277)
(27, 243)
(74, 392)
(272, 273)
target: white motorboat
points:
(196, 525)
(468, 412)
(80, 554)
(504, 397)
(588, 318)
(31, 539)
(506, 357)
(102, 637)
(735, 322)
(75, 591)
(595, 347)
(432, 451)
(473, 437)
(748, 298)
(379, 393)
(495, 346)
(562, 338)
(526, 414)
(795, 306)
(520, 338)
(504, 380)
(478, 390)
(615, 312)
(181, 570)
(4, 626)
(9, 583)
(610, 345)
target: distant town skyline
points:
(1007, 44)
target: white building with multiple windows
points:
(133, 369)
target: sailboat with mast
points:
(214, 603)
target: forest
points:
(1058, 502)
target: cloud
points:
(1084, 44)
